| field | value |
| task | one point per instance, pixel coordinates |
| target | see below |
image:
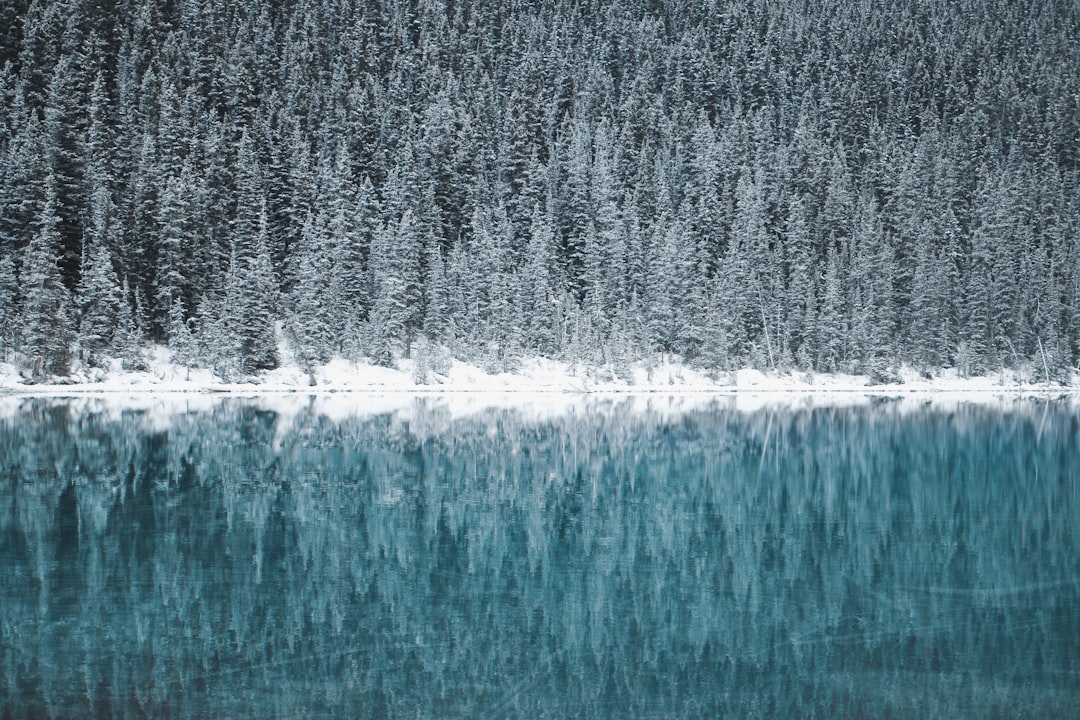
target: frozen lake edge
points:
(343, 388)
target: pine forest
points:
(849, 186)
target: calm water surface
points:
(236, 562)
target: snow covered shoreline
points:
(533, 377)
(541, 390)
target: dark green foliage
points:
(46, 303)
(832, 186)
(99, 300)
(310, 320)
(9, 308)
(128, 335)
(258, 308)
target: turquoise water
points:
(866, 562)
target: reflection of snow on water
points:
(390, 494)
(609, 556)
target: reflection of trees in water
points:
(828, 562)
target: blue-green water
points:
(831, 563)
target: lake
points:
(608, 559)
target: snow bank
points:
(539, 391)
(535, 378)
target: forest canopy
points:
(835, 186)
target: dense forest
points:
(835, 186)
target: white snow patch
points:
(342, 388)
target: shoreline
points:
(86, 390)
(537, 378)
(426, 404)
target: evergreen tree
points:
(46, 307)
(256, 305)
(871, 298)
(438, 316)
(10, 310)
(799, 329)
(21, 186)
(349, 237)
(709, 208)
(135, 250)
(978, 337)
(248, 220)
(390, 279)
(750, 273)
(573, 210)
(538, 288)
(99, 300)
(176, 235)
(831, 328)
(662, 288)
(690, 294)
(128, 338)
(182, 342)
(310, 324)
(64, 124)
